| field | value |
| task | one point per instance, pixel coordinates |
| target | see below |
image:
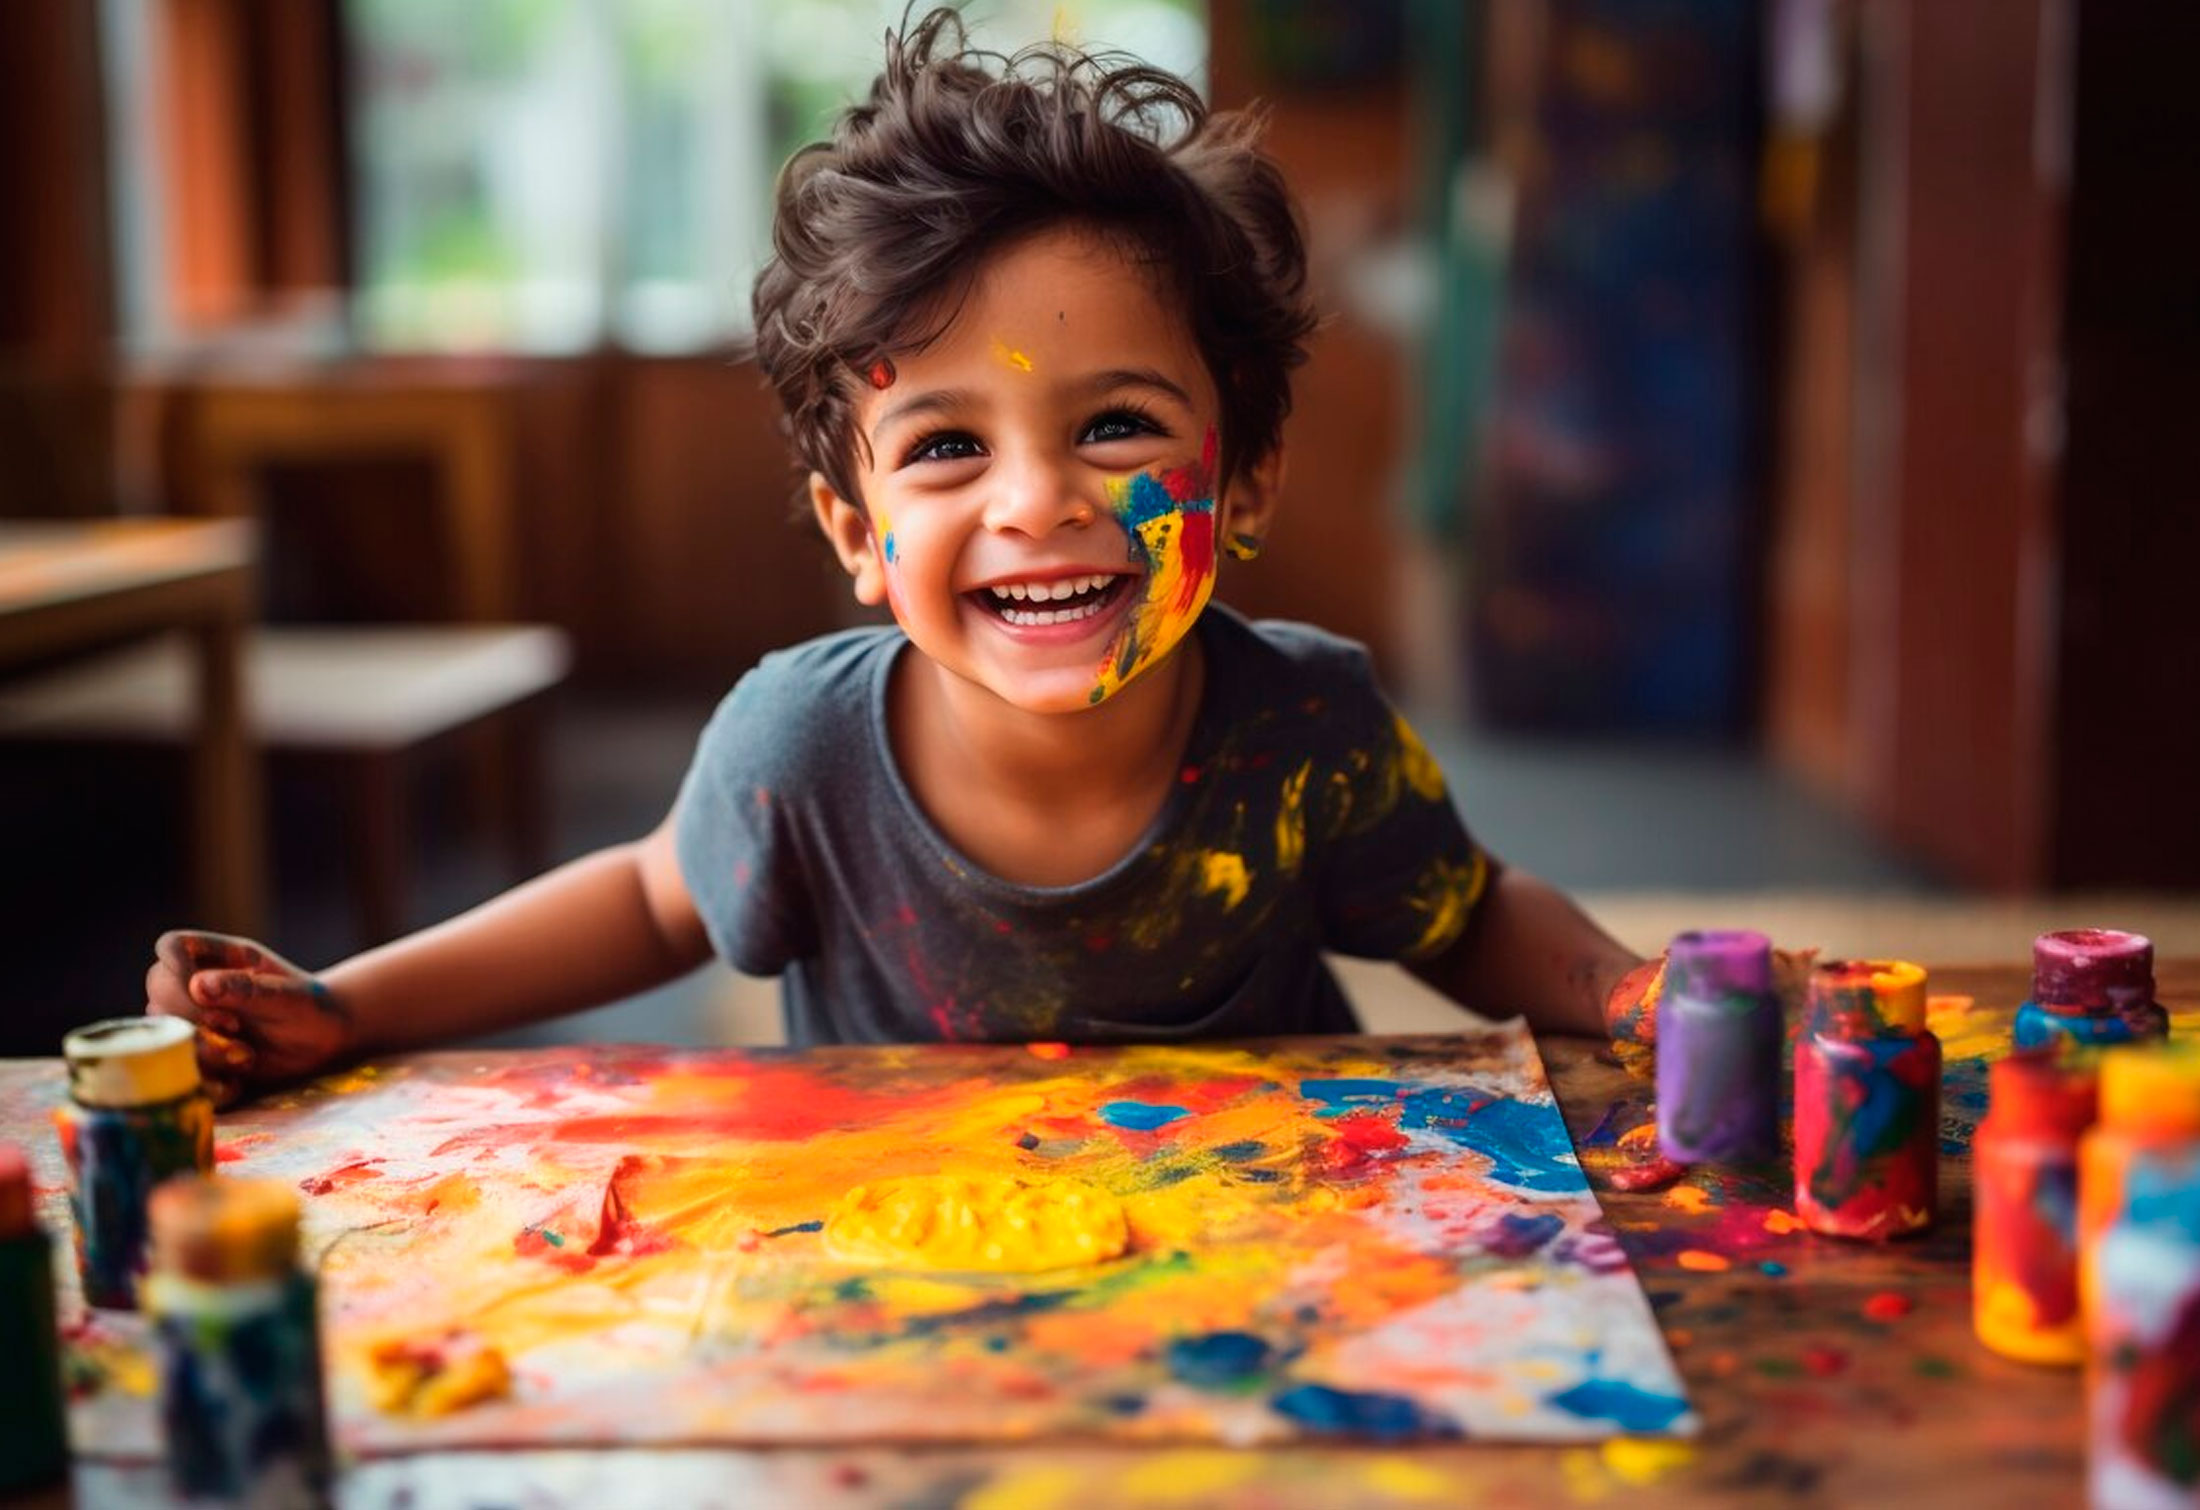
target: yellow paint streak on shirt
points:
(1291, 820)
(961, 1224)
(1417, 766)
(1224, 872)
(1447, 894)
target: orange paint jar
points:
(2024, 1212)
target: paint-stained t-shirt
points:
(1306, 817)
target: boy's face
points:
(1041, 481)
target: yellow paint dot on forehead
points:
(1008, 356)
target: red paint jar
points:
(1867, 1103)
(2024, 1212)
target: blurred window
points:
(543, 175)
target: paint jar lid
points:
(2089, 969)
(1714, 964)
(1867, 996)
(217, 1230)
(132, 1061)
(2152, 1088)
(2043, 1092)
(15, 1192)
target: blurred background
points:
(1749, 436)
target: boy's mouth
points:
(1066, 600)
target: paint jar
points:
(136, 1115)
(1719, 1051)
(34, 1429)
(2024, 1207)
(2091, 986)
(1867, 1103)
(2139, 1278)
(236, 1345)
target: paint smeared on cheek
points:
(1170, 518)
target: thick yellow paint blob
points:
(954, 1223)
(429, 1380)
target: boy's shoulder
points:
(802, 700)
(1286, 648)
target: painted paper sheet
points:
(1384, 1238)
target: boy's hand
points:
(260, 1018)
(1631, 1015)
(1631, 1010)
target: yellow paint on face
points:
(1008, 356)
(961, 1224)
(1224, 872)
(1171, 604)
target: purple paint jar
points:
(2091, 986)
(1719, 1034)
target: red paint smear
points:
(617, 1230)
(1047, 1050)
(1825, 1362)
(1652, 1174)
(1198, 542)
(1889, 1305)
(1354, 1150)
(1196, 482)
(532, 1243)
(343, 1174)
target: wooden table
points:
(1825, 1373)
(70, 588)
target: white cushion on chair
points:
(351, 688)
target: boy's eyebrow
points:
(1135, 377)
(932, 402)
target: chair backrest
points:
(232, 432)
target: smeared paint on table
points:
(1369, 1239)
(1825, 1372)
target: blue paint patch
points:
(1218, 1360)
(1146, 499)
(1517, 1236)
(1623, 1404)
(1357, 1413)
(1140, 1116)
(1261, 1176)
(818, 1226)
(1526, 1144)
(891, 553)
(1774, 1267)
(1236, 1152)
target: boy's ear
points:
(1249, 507)
(848, 530)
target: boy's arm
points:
(601, 927)
(1528, 949)
(607, 925)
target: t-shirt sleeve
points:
(734, 832)
(1400, 876)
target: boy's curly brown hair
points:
(879, 231)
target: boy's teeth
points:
(1042, 592)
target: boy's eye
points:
(944, 445)
(1118, 424)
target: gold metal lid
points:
(132, 1061)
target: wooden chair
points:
(358, 700)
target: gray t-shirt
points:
(1306, 817)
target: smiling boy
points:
(1034, 348)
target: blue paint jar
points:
(236, 1345)
(136, 1115)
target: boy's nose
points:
(1035, 499)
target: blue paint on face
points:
(1623, 1404)
(1344, 1412)
(1526, 1144)
(1218, 1360)
(1140, 1116)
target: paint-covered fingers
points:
(190, 950)
(1631, 1015)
